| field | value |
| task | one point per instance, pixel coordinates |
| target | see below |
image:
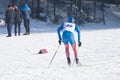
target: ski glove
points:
(79, 44)
(60, 42)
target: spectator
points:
(26, 11)
(9, 19)
(18, 20)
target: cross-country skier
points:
(68, 29)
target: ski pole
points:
(53, 56)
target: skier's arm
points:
(78, 32)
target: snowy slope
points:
(99, 54)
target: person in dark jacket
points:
(9, 19)
(26, 11)
(18, 20)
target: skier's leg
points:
(75, 52)
(73, 44)
(67, 53)
(67, 50)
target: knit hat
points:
(70, 19)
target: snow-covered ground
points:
(99, 54)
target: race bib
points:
(69, 26)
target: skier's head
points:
(71, 19)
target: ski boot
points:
(77, 60)
(27, 33)
(69, 61)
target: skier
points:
(68, 29)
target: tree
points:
(94, 9)
(32, 8)
(103, 10)
(38, 9)
(69, 7)
(117, 2)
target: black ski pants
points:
(17, 25)
(27, 25)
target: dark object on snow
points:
(43, 51)
(69, 61)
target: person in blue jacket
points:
(26, 11)
(68, 29)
